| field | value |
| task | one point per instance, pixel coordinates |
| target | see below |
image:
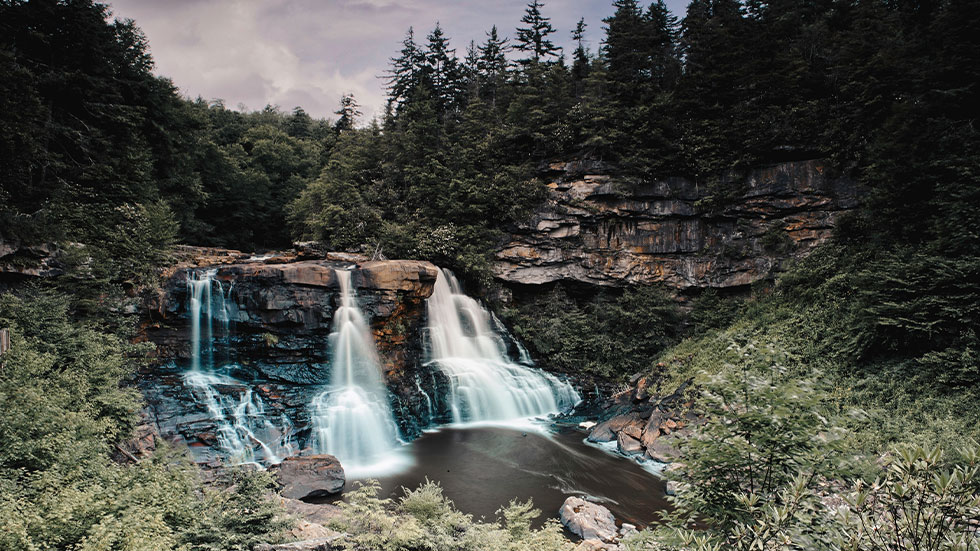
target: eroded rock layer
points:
(599, 229)
(275, 342)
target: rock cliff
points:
(275, 345)
(599, 229)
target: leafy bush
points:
(610, 337)
(767, 431)
(424, 519)
(64, 407)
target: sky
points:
(309, 53)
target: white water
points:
(351, 418)
(244, 431)
(485, 384)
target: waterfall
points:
(199, 289)
(485, 385)
(244, 431)
(352, 419)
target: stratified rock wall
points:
(276, 343)
(599, 229)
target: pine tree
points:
(492, 64)
(406, 71)
(624, 48)
(299, 124)
(580, 59)
(348, 114)
(662, 35)
(533, 39)
(443, 71)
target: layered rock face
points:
(598, 229)
(275, 342)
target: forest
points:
(879, 329)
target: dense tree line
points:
(103, 157)
(93, 142)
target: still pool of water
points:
(482, 468)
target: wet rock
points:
(588, 520)
(606, 431)
(628, 445)
(310, 476)
(663, 450)
(275, 341)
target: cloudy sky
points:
(309, 52)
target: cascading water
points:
(352, 419)
(485, 385)
(244, 431)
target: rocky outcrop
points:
(274, 345)
(21, 260)
(588, 520)
(595, 524)
(599, 229)
(644, 425)
(310, 476)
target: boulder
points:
(627, 530)
(663, 450)
(606, 430)
(596, 545)
(310, 476)
(627, 444)
(588, 520)
(314, 513)
(652, 429)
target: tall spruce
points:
(406, 71)
(533, 39)
(492, 64)
(443, 71)
(580, 58)
(347, 114)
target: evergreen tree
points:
(662, 32)
(533, 39)
(406, 71)
(624, 48)
(299, 125)
(580, 59)
(443, 72)
(492, 64)
(348, 114)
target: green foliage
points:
(768, 432)
(64, 408)
(610, 337)
(760, 472)
(424, 519)
(921, 501)
(712, 311)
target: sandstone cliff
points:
(276, 343)
(599, 229)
